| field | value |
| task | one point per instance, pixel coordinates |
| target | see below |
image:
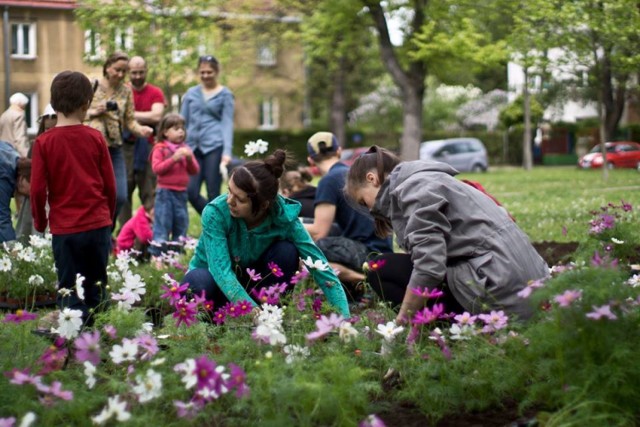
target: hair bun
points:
(275, 162)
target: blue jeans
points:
(7, 189)
(85, 253)
(283, 253)
(120, 172)
(210, 174)
(171, 218)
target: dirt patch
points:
(556, 252)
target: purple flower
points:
(237, 380)
(220, 316)
(602, 311)
(7, 422)
(626, 206)
(244, 307)
(22, 376)
(19, 317)
(54, 356)
(56, 390)
(493, 321)
(427, 315)
(426, 293)
(316, 305)
(325, 325)
(465, 318)
(275, 269)
(111, 331)
(88, 347)
(185, 312)
(174, 291)
(148, 344)
(211, 380)
(256, 277)
(567, 298)
(299, 276)
(264, 297)
(187, 410)
(564, 230)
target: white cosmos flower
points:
(295, 352)
(460, 333)
(114, 407)
(250, 148)
(317, 264)
(634, 281)
(188, 368)
(5, 264)
(39, 242)
(262, 146)
(69, 323)
(125, 352)
(79, 288)
(36, 280)
(27, 254)
(389, 331)
(89, 371)
(148, 387)
(28, 419)
(616, 241)
(64, 292)
(125, 299)
(346, 332)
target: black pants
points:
(85, 253)
(390, 282)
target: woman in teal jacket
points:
(252, 227)
(208, 110)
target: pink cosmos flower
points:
(211, 379)
(173, 292)
(19, 316)
(372, 421)
(494, 321)
(187, 410)
(626, 206)
(22, 376)
(527, 290)
(237, 380)
(88, 347)
(185, 312)
(375, 265)
(7, 422)
(316, 306)
(301, 304)
(426, 293)
(275, 269)
(148, 344)
(256, 277)
(602, 311)
(56, 390)
(244, 307)
(111, 331)
(220, 316)
(231, 309)
(263, 297)
(54, 356)
(299, 276)
(465, 318)
(427, 315)
(567, 298)
(325, 325)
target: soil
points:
(556, 252)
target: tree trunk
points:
(411, 123)
(338, 111)
(527, 156)
(603, 137)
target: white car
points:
(464, 154)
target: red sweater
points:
(172, 175)
(71, 169)
(137, 227)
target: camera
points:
(112, 106)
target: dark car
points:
(623, 154)
(349, 155)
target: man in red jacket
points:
(71, 170)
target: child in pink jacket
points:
(137, 232)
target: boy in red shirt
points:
(71, 170)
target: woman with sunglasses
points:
(208, 110)
(456, 238)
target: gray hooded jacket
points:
(458, 235)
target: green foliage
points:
(27, 271)
(513, 114)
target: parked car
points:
(464, 154)
(349, 155)
(623, 154)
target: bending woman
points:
(251, 227)
(455, 237)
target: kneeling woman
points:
(456, 238)
(252, 227)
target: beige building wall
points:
(275, 89)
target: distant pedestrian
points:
(72, 172)
(13, 126)
(149, 104)
(208, 110)
(14, 178)
(173, 161)
(136, 234)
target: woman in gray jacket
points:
(456, 238)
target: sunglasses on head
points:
(207, 58)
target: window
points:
(268, 114)
(92, 47)
(31, 113)
(124, 39)
(266, 55)
(23, 40)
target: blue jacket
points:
(209, 123)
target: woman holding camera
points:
(111, 112)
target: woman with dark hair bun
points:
(251, 227)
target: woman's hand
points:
(410, 305)
(146, 131)
(97, 110)
(225, 160)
